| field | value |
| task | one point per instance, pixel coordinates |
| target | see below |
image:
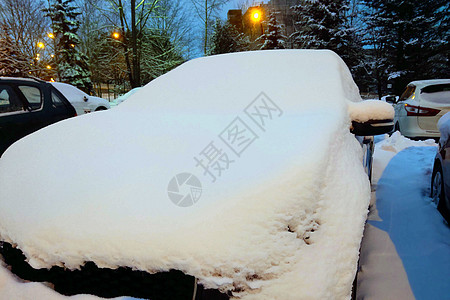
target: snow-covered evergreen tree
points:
(328, 24)
(72, 65)
(12, 61)
(227, 39)
(320, 24)
(273, 38)
(414, 37)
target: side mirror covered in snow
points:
(371, 117)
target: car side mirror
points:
(391, 99)
(372, 127)
(85, 99)
(371, 117)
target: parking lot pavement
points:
(405, 252)
(377, 254)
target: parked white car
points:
(124, 97)
(82, 102)
(421, 105)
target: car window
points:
(407, 93)
(57, 100)
(9, 102)
(33, 95)
(439, 93)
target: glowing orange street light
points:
(256, 16)
(72, 45)
(51, 35)
(52, 80)
(41, 45)
(116, 35)
(49, 67)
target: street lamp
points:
(51, 35)
(256, 17)
(41, 45)
(116, 35)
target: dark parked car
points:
(440, 180)
(27, 105)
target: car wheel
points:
(437, 185)
(100, 108)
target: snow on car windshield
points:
(69, 91)
(241, 171)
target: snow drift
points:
(284, 220)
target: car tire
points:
(437, 193)
(101, 108)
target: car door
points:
(60, 107)
(15, 117)
(76, 97)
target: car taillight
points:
(412, 110)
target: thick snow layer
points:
(370, 110)
(284, 220)
(388, 147)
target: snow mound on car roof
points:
(280, 213)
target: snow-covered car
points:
(124, 97)
(440, 179)
(421, 105)
(82, 102)
(242, 177)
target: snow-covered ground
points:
(406, 251)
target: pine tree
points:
(273, 38)
(320, 24)
(12, 62)
(227, 39)
(72, 65)
(413, 37)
